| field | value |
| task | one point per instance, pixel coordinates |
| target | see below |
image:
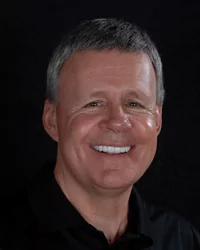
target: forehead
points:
(108, 62)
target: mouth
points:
(112, 150)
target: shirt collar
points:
(139, 220)
(56, 213)
(50, 205)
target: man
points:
(104, 109)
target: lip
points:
(105, 154)
(113, 145)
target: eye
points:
(93, 104)
(133, 104)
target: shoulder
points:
(17, 221)
(165, 216)
(172, 227)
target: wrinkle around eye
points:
(134, 105)
(137, 105)
(95, 104)
(92, 104)
(142, 110)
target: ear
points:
(49, 120)
(158, 119)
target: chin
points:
(116, 181)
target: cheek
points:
(150, 122)
(145, 128)
(81, 128)
(146, 141)
(74, 137)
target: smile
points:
(112, 149)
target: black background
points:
(30, 30)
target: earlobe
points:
(158, 119)
(49, 120)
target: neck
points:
(110, 217)
(106, 212)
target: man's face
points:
(107, 101)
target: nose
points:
(116, 120)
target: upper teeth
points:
(111, 149)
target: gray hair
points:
(100, 34)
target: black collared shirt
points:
(43, 219)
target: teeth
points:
(111, 149)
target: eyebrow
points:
(98, 93)
(133, 93)
(138, 94)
